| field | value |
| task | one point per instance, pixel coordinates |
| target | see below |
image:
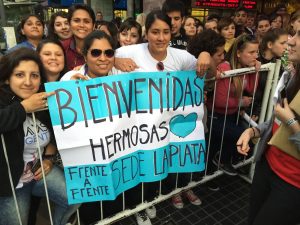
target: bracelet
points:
(50, 157)
(291, 121)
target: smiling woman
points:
(31, 31)
(21, 79)
(82, 20)
(59, 27)
(157, 55)
(53, 58)
(99, 56)
(98, 53)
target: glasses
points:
(160, 66)
(109, 53)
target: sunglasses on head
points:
(98, 52)
(160, 66)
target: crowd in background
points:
(82, 45)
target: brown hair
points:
(295, 16)
(239, 44)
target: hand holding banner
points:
(115, 132)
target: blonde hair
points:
(239, 44)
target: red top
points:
(74, 58)
(222, 88)
(284, 165)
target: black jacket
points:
(12, 117)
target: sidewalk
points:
(228, 206)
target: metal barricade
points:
(266, 110)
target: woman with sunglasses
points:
(156, 55)
(275, 190)
(98, 52)
(243, 53)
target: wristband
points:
(291, 122)
(50, 157)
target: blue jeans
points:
(57, 194)
(231, 135)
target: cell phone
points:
(282, 95)
(36, 164)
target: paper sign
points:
(117, 131)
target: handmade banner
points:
(117, 131)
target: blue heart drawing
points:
(183, 126)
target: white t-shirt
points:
(176, 59)
(83, 71)
(30, 154)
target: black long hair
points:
(51, 29)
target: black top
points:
(179, 42)
(12, 117)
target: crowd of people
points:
(81, 45)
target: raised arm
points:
(205, 65)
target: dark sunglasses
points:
(97, 52)
(160, 66)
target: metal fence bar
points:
(272, 80)
(160, 198)
(123, 200)
(42, 167)
(78, 216)
(275, 81)
(253, 97)
(101, 210)
(273, 74)
(10, 179)
(240, 100)
(211, 122)
(224, 123)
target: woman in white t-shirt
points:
(21, 79)
(156, 55)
